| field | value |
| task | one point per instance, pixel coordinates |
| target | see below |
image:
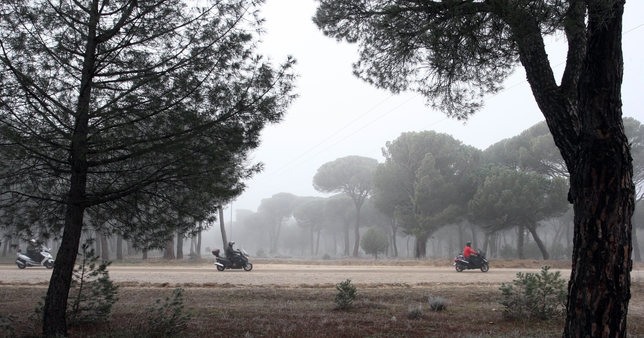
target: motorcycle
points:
(473, 262)
(238, 261)
(43, 258)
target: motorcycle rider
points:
(232, 253)
(469, 253)
(33, 249)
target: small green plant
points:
(437, 303)
(346, 294)
(532, 295)
(326, 257)
(167, 319)
(415, 312)
(92, 293)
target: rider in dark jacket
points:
(231, 253)
(33, 249)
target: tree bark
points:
(420, 249)
(168, 253)
(601, 187)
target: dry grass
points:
(380, 310)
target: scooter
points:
(43, 258)
(473, 262)
(238, 261)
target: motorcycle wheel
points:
(21, 265)
(248, 266)
(485, 268)
(459, 268)
(49, 265)
(220, 268)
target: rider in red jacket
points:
(468, 250)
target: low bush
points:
(167, 319)
(346, 294)
(438, 303)
(415, 312)
(533, 295)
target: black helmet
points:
(468, 243)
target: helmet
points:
(231, 243)
(468, 243)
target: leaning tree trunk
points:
(544, 251)
(601, 187)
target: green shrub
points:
(326, 257)
(532, 295)
(346, 294)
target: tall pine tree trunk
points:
(179, 245)
(119, 247)
(168, 253)
(105, 252)
(222, 227)
(601, 187)
(199, 244)
(54, 314)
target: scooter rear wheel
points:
(220, 268)
(21, 265)
(459, 268)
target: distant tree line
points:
(509, 199)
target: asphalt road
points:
(279, 274)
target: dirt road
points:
(280, 274)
